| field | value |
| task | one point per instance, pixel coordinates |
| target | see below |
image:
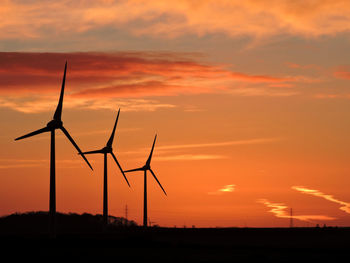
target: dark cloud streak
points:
(119, 74)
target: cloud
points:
(265, 91)
(192, 108)
(116, 73)
(30, 82)
(141, 89)
(32, 72)
(34, 163)
(11, 166)
(225, 189)
(345, 206)
(165, 149)
(219, 144)
(279, 210)
(332, 96)
(48, 103)
(190, 157)
(300, 66)
(342, 72)
(166, 152)
(234, 18)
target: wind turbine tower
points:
(108, 150)
(145, 168)
(54, 124)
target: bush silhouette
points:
(37, 223)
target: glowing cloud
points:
(342, 72)
(226, 189)
(220, 144)
(190, 157)
(235, 18)
(345, 206)
(99, 80)
(34, 163)
(279, 210)
(46, 103)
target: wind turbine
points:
(145, 168)
(53, 125)
(108, 149)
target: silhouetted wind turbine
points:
(108, 149)
(145, 168)
(54, 124)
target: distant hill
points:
(37, 223)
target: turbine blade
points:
(151, 153)
(75, 145)
(33, 133)
(134, 170)
(115, 159)
(58, 112)
(110, 141)
(92, 152)
(155, 177)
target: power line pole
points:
(150, 222)
(126, 212)
(291, 218)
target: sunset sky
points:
(250, 101)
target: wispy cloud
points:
(48, 103)
(21, 163)
(345, 206)
(332, 96)
(342, 72)
(279, 210)
(273, 90)
(33, 163)
(192, 108)
(225, 189)
(300, 66)
(166, 152)
(220, 144)
(190, 157)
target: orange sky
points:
(250, 101)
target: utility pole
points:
(291, 218)
(126, 212)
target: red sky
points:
(250, 104)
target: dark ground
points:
(82, 238)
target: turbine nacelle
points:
(107, 149)
(54, 124)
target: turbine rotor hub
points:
(107, 149)
(54, 124)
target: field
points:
(130, 242)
